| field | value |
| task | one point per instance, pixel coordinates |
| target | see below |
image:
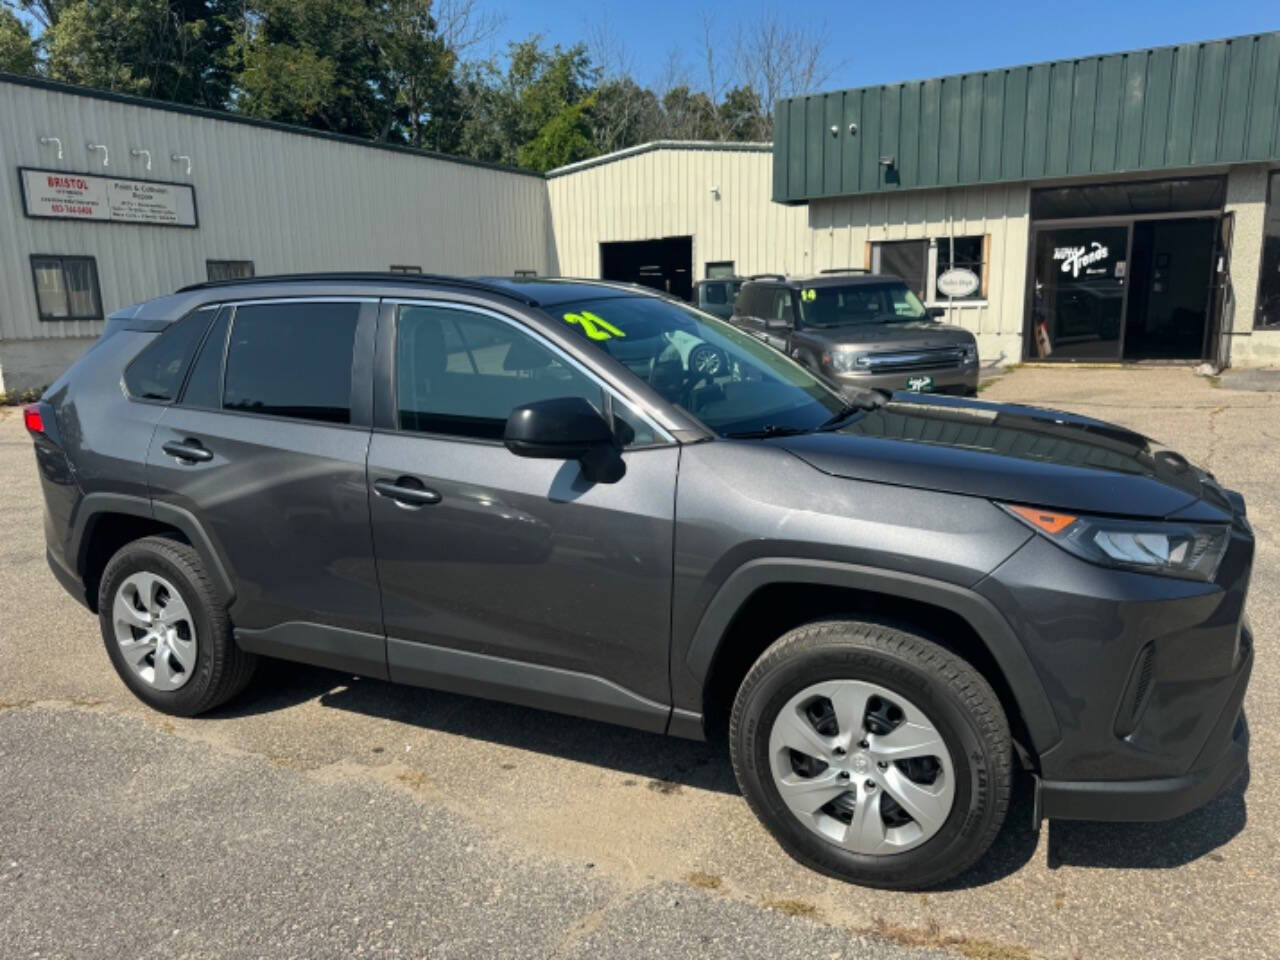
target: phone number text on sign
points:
(50, 193)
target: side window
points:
(157, 372)
(292, 360)
(782, 307)
(715, 293)
(204, 386)
(749, 301)
(461, 374)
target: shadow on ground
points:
(1156, 846)
(654, 757)
(705, 766)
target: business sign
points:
(957, 282)
(1076, 259)
(62, 195)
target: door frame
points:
(1127, 221)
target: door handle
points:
(407, 491)
(188, 450)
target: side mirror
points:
(566, 428)
(935, 311)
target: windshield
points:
(728, 380)
(860, 304)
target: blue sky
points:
(886, 41)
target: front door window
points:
(1077, 309)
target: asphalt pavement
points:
(322, 815)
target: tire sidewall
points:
(141, 557)
(972, 807)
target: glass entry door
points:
(1078, 292)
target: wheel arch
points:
(105, 522)
(747, 608)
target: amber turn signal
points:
(1046, 520)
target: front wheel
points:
(872, 754)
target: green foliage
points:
(379, 69)
(17, 52)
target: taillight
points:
(33, 418)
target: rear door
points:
(504, 576)
(266, 449)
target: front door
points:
(1078, 292)
(266, 448)
(511, 577)
(1171, 279)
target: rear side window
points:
(204, 386)
(292, 360)
(715, 293)
(157, 372)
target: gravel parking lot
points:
(323, 815)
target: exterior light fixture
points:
(45, 141)
(106, 160)
(175, 157)
(139, 152)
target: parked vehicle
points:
(860, 331)
(716, 295)
(472, 484)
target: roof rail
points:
(371, 276)
(767, 276)
(845, 270)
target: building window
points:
(922, 262)
(719, 268)
(404, 268)
(908, 259)
(965, 255)
(229, 269)
(66, 287)
(1268, 314)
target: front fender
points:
(986, 621)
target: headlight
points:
(970, 354)
(1190, 550)
(846, 361)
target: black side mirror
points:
(935, 311)
(566, 428)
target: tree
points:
(690, 115)
(742, 116)
(624, 114)
(778, 57)
(17, 51)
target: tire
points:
(825, 669)
(202, 666)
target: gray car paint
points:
(828, 508)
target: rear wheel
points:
(872, 754)
(166, 629)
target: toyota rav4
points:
(592, 499)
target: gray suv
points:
(860, 331)
(588, 498)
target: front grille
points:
(905, 361)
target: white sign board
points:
(957, 282)
(61, 195)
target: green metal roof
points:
(1168, 107)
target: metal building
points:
(108, 200)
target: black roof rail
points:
(845, 270)
(767, 276)
(371, 276)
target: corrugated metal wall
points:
(286, 201)
(667, 192)
(842, 229)
(1197, 103)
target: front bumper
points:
(962, 380)
(1221, 763)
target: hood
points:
(1012, 453)
(912, 335)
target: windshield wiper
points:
(871, 400)
(768, 430)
